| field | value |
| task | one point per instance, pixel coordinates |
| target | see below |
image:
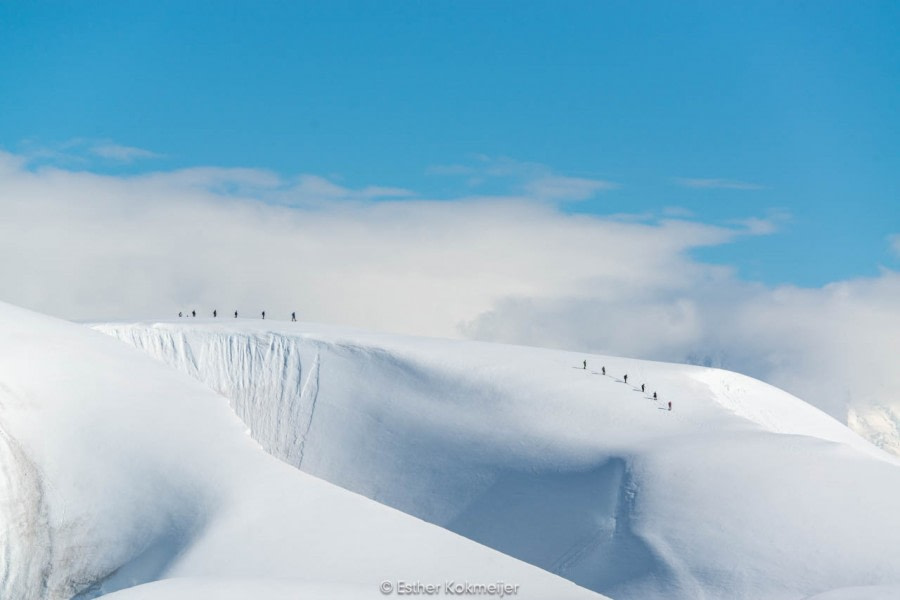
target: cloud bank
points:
(513, 268)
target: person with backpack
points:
(293, 316)
(670, 405)
(235, 314)
(215, 313)
(264, 315)
(626, 377)
(654, 395)
(193, 313)
(642, 387)
(603, 370)
(584, 364)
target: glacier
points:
(741, 491)
(121, 476)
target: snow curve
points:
(117, 471)
(572, 469)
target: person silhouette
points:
(235, 314)
(293, 316)
(215, 314)
(264, 315)
(626, 378)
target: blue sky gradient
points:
(776, 110)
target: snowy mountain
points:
(116, 470)
(740, 491)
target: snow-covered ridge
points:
(569, 469)
(116, 470)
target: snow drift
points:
(741, 491)
(116, 470)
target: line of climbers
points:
(625, 379)
(215, 313)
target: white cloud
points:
(724, 184)
(894, 243)
(83, 151)
(534, 180)
(514, 269)
(565, 188)
(117, 152)
(764, 226)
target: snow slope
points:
(742, 491)
(873, 592)
(116, 470)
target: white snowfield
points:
(741, 491)
(874, 592)
(116, 470)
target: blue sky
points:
(784, 111)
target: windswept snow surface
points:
(741, 491)
(116, 470)
(239, 589)
(874, 592)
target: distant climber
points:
(215, 313)
(654, 395)
(584, 363)
(179, 314)
(626, 378)
(293, 316)
(264, 315)
(603, 370)
(193, 313)
(642, 387)
(670, 405)
(235, 314)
